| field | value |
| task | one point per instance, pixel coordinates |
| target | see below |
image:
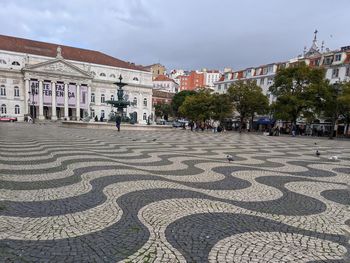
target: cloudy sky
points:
(189, 34)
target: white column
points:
(77, 104)
(40, 98)
(89, 100)
(26, 96)
(66, 110)
(53, 104)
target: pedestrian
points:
(191, 125)
(294, 128)
(118, 120)
(215, 126)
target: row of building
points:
(83, 80)
(336, 64)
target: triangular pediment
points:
(58, 66)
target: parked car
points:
(8, 119)
(180, 123)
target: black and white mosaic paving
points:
(84, 195)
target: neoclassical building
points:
(82, 80)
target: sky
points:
(187, 34)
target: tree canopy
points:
(296, 89)
(248, 99)
(179, 99)
(162, 110)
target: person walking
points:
(118, 120)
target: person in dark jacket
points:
(118, 120)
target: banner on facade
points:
(47, 94)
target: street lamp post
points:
(33, 92)
(335, 116)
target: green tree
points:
(221, 106)
(344, 104)
(163, 110)
(178, 99)
(296, 89)
(197, 107)
(248, 99)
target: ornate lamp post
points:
(33, 92)
(337, 90)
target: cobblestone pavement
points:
(82, 195)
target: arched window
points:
(144, 116)
(3, 109)
(17, 111)
(16, 91)
(15, 63)
(93, 97)
(102, 74)
(135, 101)
(145, 102)
(2, 90)
(135, 78)
(102, 98)
(112, 97)
(2, 61)
(112, 76)
(92, 113)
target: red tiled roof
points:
(222, 78)
(162, 78)
(27, 46)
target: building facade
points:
(156, 69)
(165, 83)
(336, 65)
(82, 81)
(192, 81)
(210, 77)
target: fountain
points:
(121, 103)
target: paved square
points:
(83, 195)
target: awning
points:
(265, 121)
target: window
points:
(347, 71)
(102, 98)
(112, 76)
(93, 113)
(15, 63)
(2, 61)
(135, 78)
(2, 90)
(3, 109)
(17, 109)
(335, 73)
(93, 97)
(16, 91)
(219, 87)
(102, 74)
(112, 97)
(135, 101)
(144, 116)
(145, 102)
(262, 81)
(337, 57)
(327, 61)
(103, 114)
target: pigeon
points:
(134, 140)
(318, 153)
(154, 140)
(229, 158)
(315, 143)
(333, 158)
